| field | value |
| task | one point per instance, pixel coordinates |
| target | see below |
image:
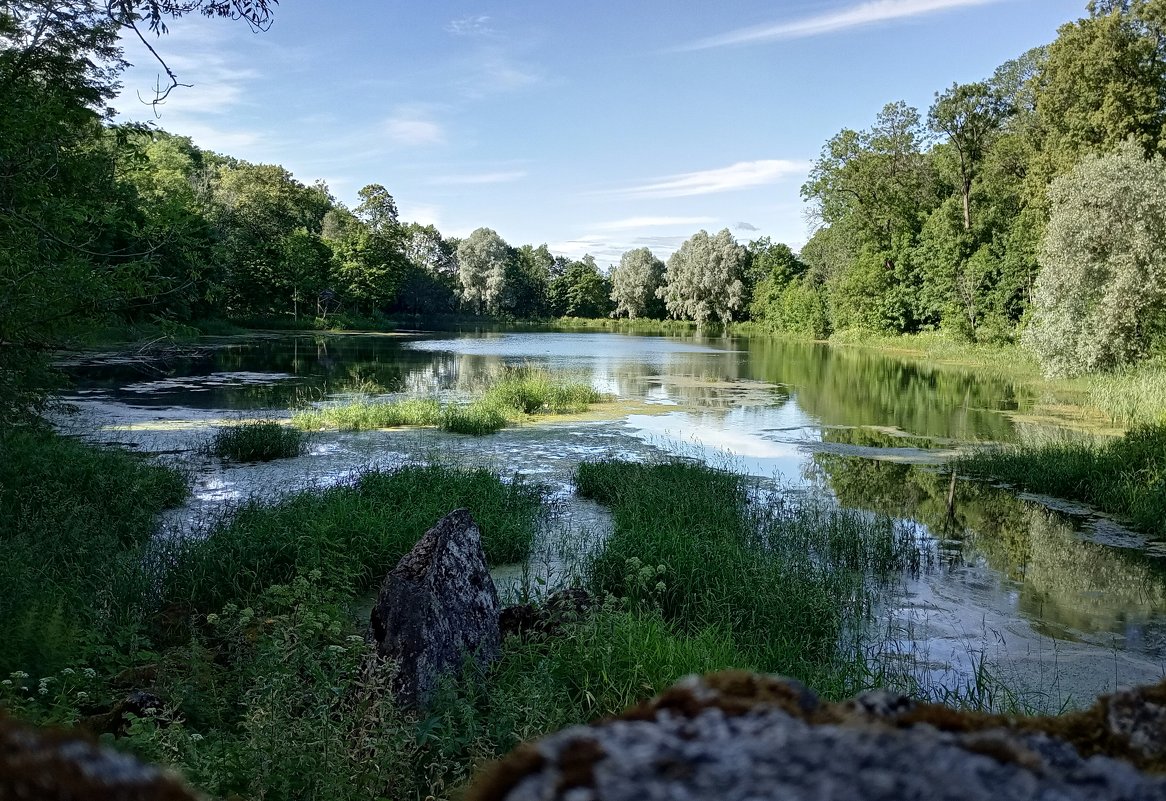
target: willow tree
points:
(704, 279)
(482, 259)
(1101, 294)
(634, 282)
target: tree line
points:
(1028, 206)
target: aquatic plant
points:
(505, 399)
(532, 390)
(352, 534)
(1126, 476)
(785, 580)
(363, 414)
(256, 441)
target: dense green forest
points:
(1030, 206)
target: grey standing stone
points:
(437, 607)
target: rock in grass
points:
(47, 765)
(740, 736)
(436, 608)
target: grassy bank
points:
(74, 520)
(513, 396)
(1125, 476)
(253, 637)
(352, 535)
(783, 583)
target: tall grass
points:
(368, 415)
(351, 535)
(531, 390)
(1132, 397)
(73, 520)
(1126, 476)
(785, 582)
(256, 441)
(508, 398)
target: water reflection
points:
(1012, 569)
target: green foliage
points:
(1100, 298)
(483, 258)
(476, 419)
(634, 282)
(352, 534)
(257, 441)
(532, 390)
(1126, 476)
(581, 291)
(369, 415)
(73, 522)
(783, 582)
(703, 279)
(507, 398)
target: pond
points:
(1053, 599)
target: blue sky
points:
(594, 127)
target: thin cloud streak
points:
(742, 175)
(412, 129)
(868, 13)
(634, 223)
(478, 179)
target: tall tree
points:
(878, 181)
(703, 279)
(1104, 81)
(634, 282)
(482, 258)
(1101, 295)
(969, 115)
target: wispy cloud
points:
(856, 16)
(493, 71)
(636, 223)
(412, 127)
(745, 226)
(477, 179)
(421, 213)
(741, 175)
(472, 25)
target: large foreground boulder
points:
(437, 608)
(46, 765)
(745, 737)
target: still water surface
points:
(1054, 598)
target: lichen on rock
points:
(737, 735)
(437, 608)
(49, 765)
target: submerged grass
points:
(785, 582)
(509, 398)
(352, 535)
(256, 441)
(1126, 476)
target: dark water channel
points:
(1054, 599)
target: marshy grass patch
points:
(476, 419)
(256, 441)
(507, 399)
(787, 581)
(533, 390)
(352, 535)
(1125, 476)
(74, 519)
(364, 414)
